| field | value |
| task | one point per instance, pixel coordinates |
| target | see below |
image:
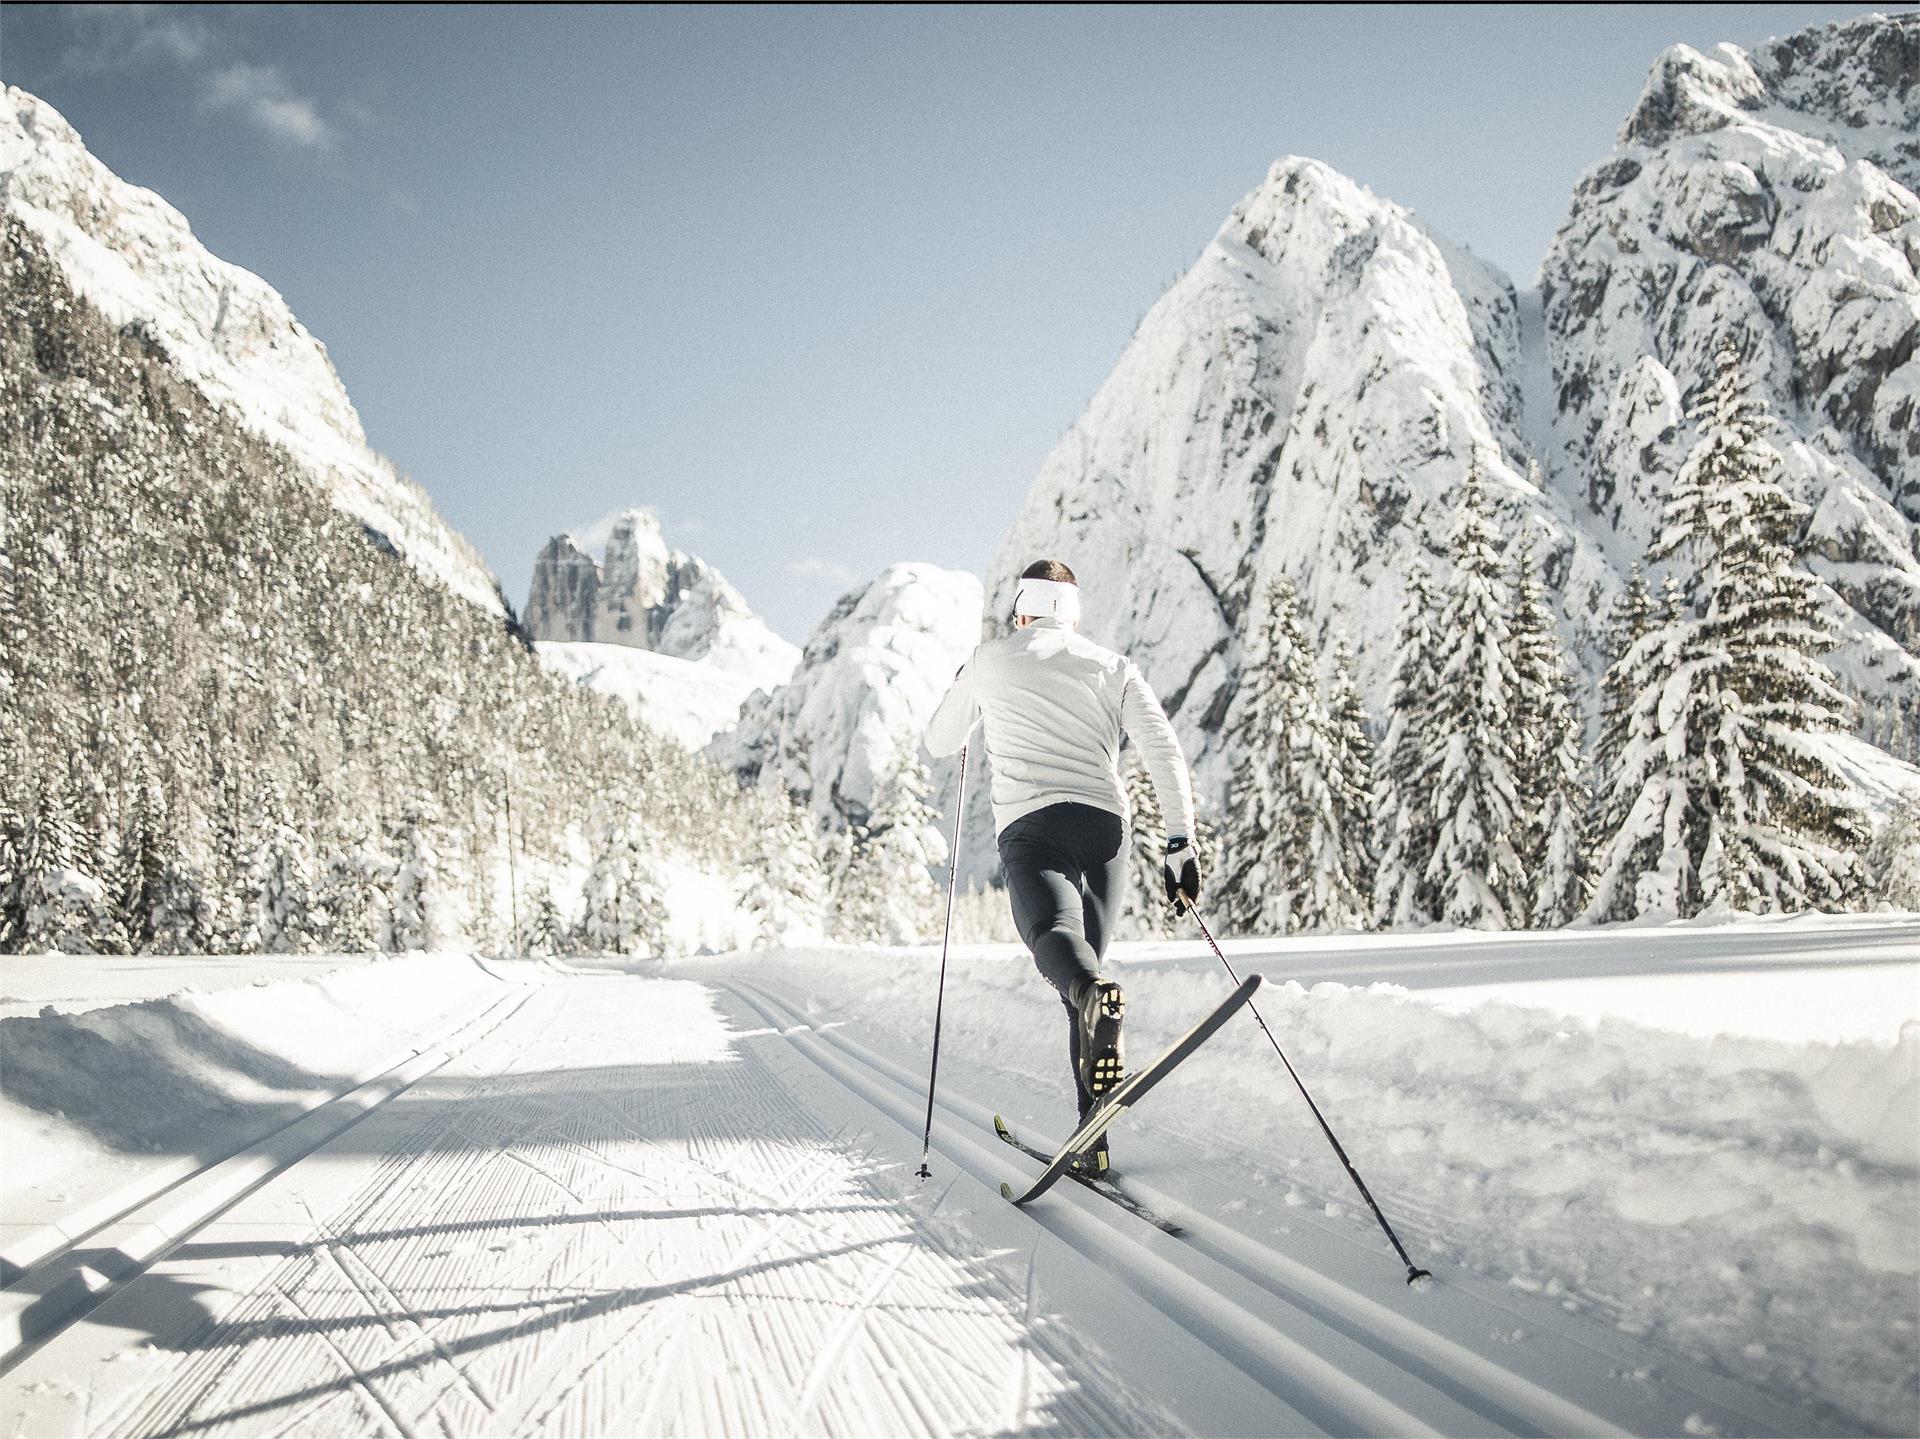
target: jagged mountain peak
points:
(618, 582)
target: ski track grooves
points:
(1476, 1395)
(609, 1218)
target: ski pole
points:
(946, 935)
(1414, 1273)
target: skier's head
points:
(1047, 590)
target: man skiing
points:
(1055, 705)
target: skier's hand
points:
(1183, 871)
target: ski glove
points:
(1183, 871)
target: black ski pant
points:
(1066, 868)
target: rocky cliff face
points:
(868, 681)
(1304, 402)
(1766, 196)
(1307, 398)
(223, 328)
(642, 594)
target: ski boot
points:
(1095, 1163)
(1102, 1056)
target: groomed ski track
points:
(653, 1205)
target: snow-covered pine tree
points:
(787, 880)
(1549, 769)
(892, 898)
(286, 892)
(13, 886)
(543, 934)
(1261, 820)
(622, 911)
(1634, 613)
(138, 866)
(412, 886)
(854, 895)
(1474, 865)
(1643, 868)
(235, 896)
(1145, 907)
(1893, 863)
(1322, 889)
(1757, 818)
(1404, 821)
(65, 907)
(349, 911)
(1353, 751)
(1563, 882)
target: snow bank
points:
(1751, 1201)
(94, 1101)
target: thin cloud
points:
(815, 568)
(261, 94)
(113, 38)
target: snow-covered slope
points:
(641, 594)
(690, 700)
(225, 329)
(1304, 401)
(1767, 196)
(1307, 398)
(868, 680)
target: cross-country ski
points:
(1107, 1186)
(1129, 1091)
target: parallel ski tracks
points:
(1364, 1368)
(624, 1247)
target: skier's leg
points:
(1102, 861)
(1044, 889)
(1103, 879)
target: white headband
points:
(1048, 599)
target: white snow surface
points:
(693, 701)
(99, 1087)
(868, 680)
(223, 328)
(680, 1198)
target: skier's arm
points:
(955, 716)
(1147, 726)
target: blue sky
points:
(820, 286)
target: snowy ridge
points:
(1303, 402)
(1307, 399)
(693, 701)
(1766, 196)
(868, 680)
(640, 593)
(223, 328)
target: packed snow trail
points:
(608, 1218)
(660, 1205)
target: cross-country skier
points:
(1055, 705)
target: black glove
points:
(1183, 870)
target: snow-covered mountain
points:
(868, 680)
(638, 592)
(1307, 398)
(223, 328)
(1304, 401)
(692, 701)
(1767, 196)
(652, 626)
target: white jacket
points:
(1055, 704)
